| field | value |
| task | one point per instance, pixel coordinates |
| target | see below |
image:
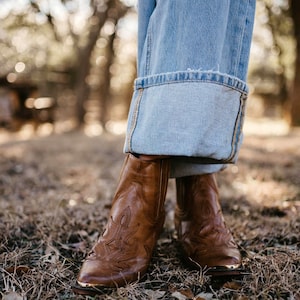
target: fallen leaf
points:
(232, 285)
(19, 270)
(188, 293)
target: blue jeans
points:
(190, 94)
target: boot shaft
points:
(143, 183)
(197, 197)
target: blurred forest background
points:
(71, 63)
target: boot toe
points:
(222, 258)
(101, 272)
(92, 275)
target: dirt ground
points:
(55, 194)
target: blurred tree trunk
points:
(295, 95)
(84, 53)
(105, 93)
(83, 41)
(274, 24)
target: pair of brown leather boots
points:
(122, 254)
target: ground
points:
(55, 197)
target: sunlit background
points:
(70, 64)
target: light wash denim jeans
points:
(190, 95)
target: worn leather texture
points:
(122, 254)
(202, 232)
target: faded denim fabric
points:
(190, 94)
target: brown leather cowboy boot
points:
(122, 254)
(204, 237)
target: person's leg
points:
(189, 103)
(190, 94)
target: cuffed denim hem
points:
(191, 76)
(192, 115)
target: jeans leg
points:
(190, 94)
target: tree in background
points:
(271, 68)
(111, 11)
(84, 40)
(280, 27)
(295, 93)
(279, 56)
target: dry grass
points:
(55, 197)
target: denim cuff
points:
(191, 76)
(195, 116)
